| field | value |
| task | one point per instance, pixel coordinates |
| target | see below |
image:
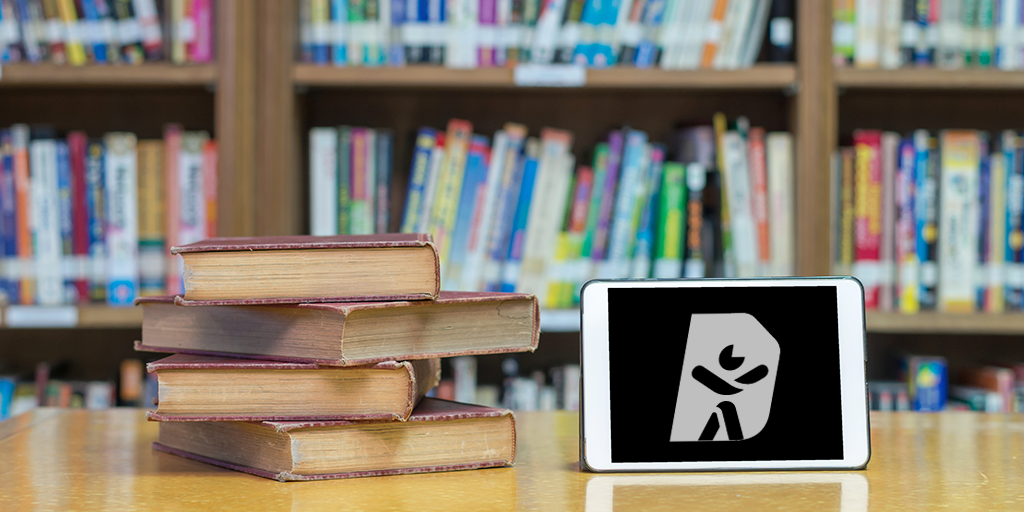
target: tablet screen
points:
(724, 374)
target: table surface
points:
(58, 459)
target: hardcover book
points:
(439, 436)
(202, 388)
(294, 269)
(346, 334)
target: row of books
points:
(19, 394)
(350, 179)
(89, 220)
(949, 34)
(671, 34)
(78, 32)
(932, 222)
(925, 385)
(314, 366)
(556, 389)
(514, 213)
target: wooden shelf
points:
(98, 316)
(154, 74)
(928, 78)
(761, 77)
(946, 323)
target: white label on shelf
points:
(1015, 275)
(131, 31)
(338, 33)
(866, 272)
(550, 75)
(909, 33)
(110, 32)
(996, 274)
(780, 32)
(55, 31)
(843, 34)
(91, 33)
(8, 31)
(981, 274)
(40, 316)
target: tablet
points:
(723, 374)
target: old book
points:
(346, 334)
(201, 388)
(293, 269)
(439, 436)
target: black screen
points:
(647, 338)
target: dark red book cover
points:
(271, 243)
(429, 409)
(77, 142)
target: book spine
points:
(172, 205)
(344, 180)
(477, 247)
(547, 211)
(152, 271)
(576, 228)
(928, 32)
(339, 32)
(995, 298)
(889, 49)
(437, 156)
(1008, 14)
(359, 205)
(393, 34)
(384, 169)
(152, 32)
(908, 266)
(696, 177)
(69, 294)
(306, 30)
(949, 54)
(724, 210)
(758, 161)
(641, 192)
(868, 211)
(928, 380)
(867, 51)
(77, 143)
(668, 252)
(986, 33)
(781, 203)
(370, 182)
(501, 234)
(96, 212)
(643, 253)
(450, 183)
(320, 19)
(511, 266)
(130, 32)
(23, 200)
(600, 166)
(8, 221)
(910, 32)
(844, 32)
(473, 184)
(122, 231)
(190, 182)
(211, 164)
(417, 178)
(46, 222)
(608, 196)
(847, 157)
(323, 181)
(713, 34)
(29, 39)
(91, 31)
(958, 220)
(200, 50)
(744, 237)
(621, 234)
(1014, 220)
(984, 205)
(887, 250)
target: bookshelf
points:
(149, 74)
(929, 79)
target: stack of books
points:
(305, 358)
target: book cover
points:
(77, 143)
(1014, 215)
(23, 199)
(867, 213)
(958, 219)
(122, 217)
(508, 195)
(887, 249)
(152, 259)
(643, 251)
(344, 334)
(96, 213)
(928, 381)
(172, 204)
(547, 212)
(473, 185)
(487, 434)
(384, 163)
(482, 226)
(512, 263)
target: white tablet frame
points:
(595, 405)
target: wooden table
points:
(54, 459)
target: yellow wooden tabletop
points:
(54, 459)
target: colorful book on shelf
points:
(887, 249)
(926, 202)
(96, 215)
(928, 381)
(1014, 220)
(122, 219)
(45, 211)
(346, 334)
(9, 277)
(868, 211)
(958, 219)
(311, 269)
(512, 264)
(994, 274)
(781, 203)
(77, 146)
(547, 211)
(439, 436)
(323, 181)
(204, 388)
(152, 262)
(997, 379)
(908, 267)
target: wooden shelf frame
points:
(156, 74)
(946, 323)
(760, 77)
(929, 79)
(87, 317)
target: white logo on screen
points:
(728, 379)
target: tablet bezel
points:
(595, 405)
